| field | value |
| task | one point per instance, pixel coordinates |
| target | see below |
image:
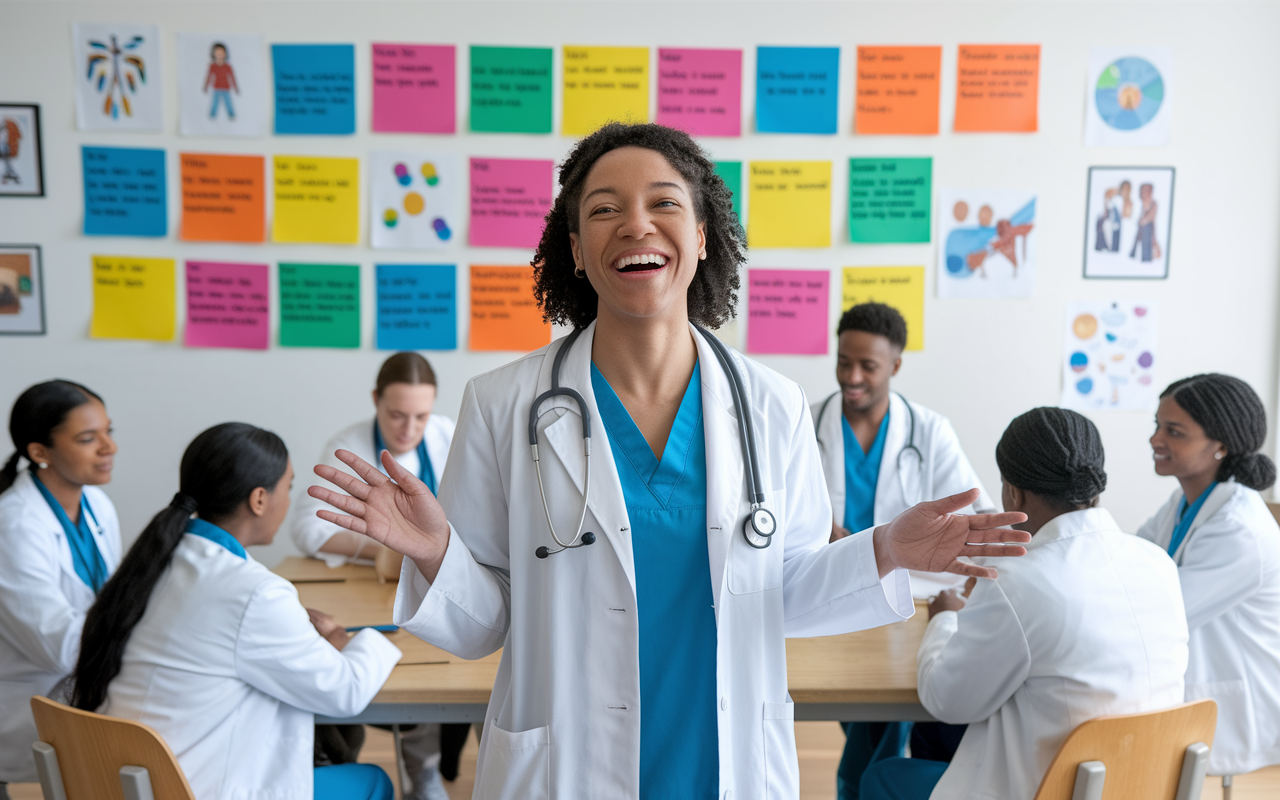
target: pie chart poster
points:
(1129, 97)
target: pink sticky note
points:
(787, 311)
(700, 91)
(227, 305)
(510, 199)
(413, 88)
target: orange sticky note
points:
(898, 90)
(222, 198)
(504, 314)
(997, 88)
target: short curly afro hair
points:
(713, 294)
(877, 318)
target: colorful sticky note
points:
(319, 305)
(898, 90)
(223, 198)
(317, 200)
(890, 200)
(790, 204)
(413, 88)
(900, 287)
(414, 199)
(997, 88)
(700, 91)
(797, 89)
(787, 311)
(510, 199)
(511, 89)
(604, 84)
(315, 88)
(417, 307)
(731, 173)
(133, 298)
(504, 314)
(124, 192)
(227, 305)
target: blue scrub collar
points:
(207, 530)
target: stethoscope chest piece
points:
(759, 527)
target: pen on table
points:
(379, 628)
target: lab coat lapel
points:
(564, 435)
(893, 490)
(726, 481)
(1222, 493)
(831, 445)
(40, 509)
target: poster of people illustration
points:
(1127, 222)
(988, 243)
(117, 74)
(222, 84)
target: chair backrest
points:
(1143, 753)
(92, 748)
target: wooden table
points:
(865, 676)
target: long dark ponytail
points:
(220, 469)
(1230, 412)
(36, 413)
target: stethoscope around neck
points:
(910, 446)
(759, 526)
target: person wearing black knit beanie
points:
(1088, 623)
(1226, 544)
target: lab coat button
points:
(724, 705)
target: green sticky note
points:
(319, 305)
(890, 200)
(511, 89)
(731, 173)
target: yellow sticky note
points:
(317, 200)
(604, 84)
(900, 287)
(789, 204)
(133, 298)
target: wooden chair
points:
(85, 756)
(1160, 755)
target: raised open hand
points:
(930, 537)
(401, 513)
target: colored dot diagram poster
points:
(413, 199)
(1110, 354)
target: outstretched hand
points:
(930, 537)
(400, 511)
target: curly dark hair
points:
(713, 295)
(877, 318)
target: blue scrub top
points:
(861, 473)
(425, 472)
(667, 505)
(1186, 516)
(86, 559)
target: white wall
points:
(985, 361)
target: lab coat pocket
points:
(516, 766)
(781, 769)
(757, 569)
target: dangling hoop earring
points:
(579, 272)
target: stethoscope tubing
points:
(910, 446)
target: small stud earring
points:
(43, 465)
(1218, 456)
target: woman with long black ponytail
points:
(201, 642)
(1218, 530)
(59, 542)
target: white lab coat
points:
(226, 666)
(905, 480)
(1229, 564)
(42, 608)
(564, 718)
(1089, 622)
(309, 531)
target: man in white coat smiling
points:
(642, 610)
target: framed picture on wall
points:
(21, 160)
(1127, 222)
(21, 290)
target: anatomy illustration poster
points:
(1109, 355)
(1127, 224)
(987, 243)
(117, 77)
(222, 84)
(414, 199)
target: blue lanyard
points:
(1187, 515)
(85, 557)
(207, 530)
(425, 473)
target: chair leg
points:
(49, 771)
(1226, 787)
(400, 770)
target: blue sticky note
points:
(315, 88)
(124, 192)
(417, 307)
(797, 89)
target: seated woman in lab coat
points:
(214, 651)
(1088, 623)
(61, 540)
(1226, 545)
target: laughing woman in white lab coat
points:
(60, 541)
(1089, 623)
(651, 663)
(214, 651)
(1226, 544)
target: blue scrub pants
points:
(902, 779)
(867, 743)
(352, 782)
